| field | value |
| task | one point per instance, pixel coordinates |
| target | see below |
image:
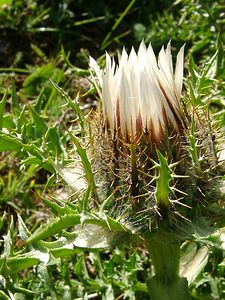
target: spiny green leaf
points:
(163, 182)
(34, 150)
(89, 174)
(56, 78)
(206, 69)
(58, 224)
(54, 226)
(73, 104)
(40, 126)
(88, 236)
(58, 209)
(193, 70)
(54, 138)
(8, 143)
(19, 263)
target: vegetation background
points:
(42, 40)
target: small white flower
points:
(140, 94)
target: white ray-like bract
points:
(141, 94)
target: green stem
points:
(166, 283)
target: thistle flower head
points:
(141, 95)
(151, 163)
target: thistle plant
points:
(156, 157)
(145, 169)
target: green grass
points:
(45, 100)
